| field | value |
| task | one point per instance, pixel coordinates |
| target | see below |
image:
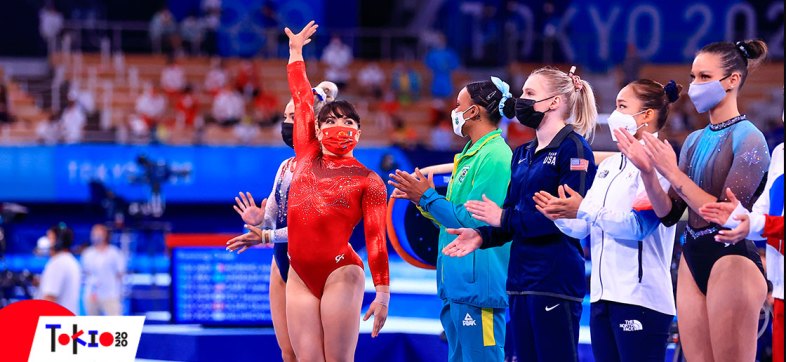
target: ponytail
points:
(585, 111)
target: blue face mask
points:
(706, 96)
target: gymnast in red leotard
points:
(330, 192)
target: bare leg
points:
(692, 312)
(341, 303)
(278, 309)
(303, 320)
(735, 294)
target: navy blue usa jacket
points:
(543, 260)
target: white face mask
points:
(624, 121)
(458, 121)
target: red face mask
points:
(339, 140)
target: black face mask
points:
(287, 130)
(526, 113)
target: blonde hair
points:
(579, 95)
(331, 92)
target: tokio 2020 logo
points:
(90, 340)
(86, 338)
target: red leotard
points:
(327, 198)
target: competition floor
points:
(412, 332)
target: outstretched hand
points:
(378, 309)
(468, 240)
(737, 234)
(247, 209)
(486, 211)
(297, 41)
(719, 212)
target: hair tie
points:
(505, 89)
(319, 92)
(740, 45)
(672, 92)
(577, 83)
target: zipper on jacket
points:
(602, 233)
(474, 272)
(641, 265)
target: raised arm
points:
(305, 136)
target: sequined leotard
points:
(327, 198)
(732, 154)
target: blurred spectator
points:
(246, 78)
(631, 65)
(492, 36)
(216, 77)
(390, 103)
(337, 56)
(211, 5)
(371, 78)
(192, 32)
(246, 131)
(551, 21)
(83, 97)
(441, 130)
(187, 110)
(403, 135)
(265, 110)
(104, 266)
(442, 136)
(271, 23)
(62, 277)
(405, 83)
(150, 106)
(228, 107)
(5, 109)
(48, 132)
(442, 61)
(163, 31)
(50, 24)
(73, 122)
(173, 77)
(210, 23)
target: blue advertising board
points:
(212, 174)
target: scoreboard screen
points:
(212, 286)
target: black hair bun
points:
(672, 91)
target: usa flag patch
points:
(579, 164)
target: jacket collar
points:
(471, 150)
